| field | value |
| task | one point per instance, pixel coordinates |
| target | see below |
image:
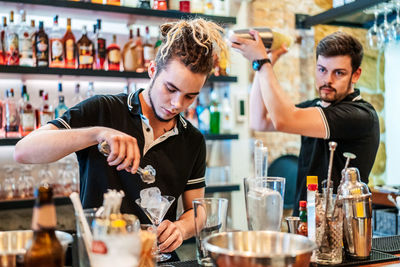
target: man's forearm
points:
(48, 144)
(186, 224)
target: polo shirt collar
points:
(135, 108)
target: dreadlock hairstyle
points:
(194, 42)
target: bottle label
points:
(114, 56)
(101, 48)
(45, 117)
(85, 54)
(148, 53)
(69, 49)
(56, 49)
(12, 42)
(44, 217)
(85, 59)
(28, 121)
(42, 46)
(26, 47)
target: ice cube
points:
(150, 192)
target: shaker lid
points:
(351, 185)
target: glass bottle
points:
(144, 4)
(101, 50)
(226, 116)
(114, 55)
(59, 93)
(69, 47)
(25, 35)
(56, 45)
(12, 42)
(197, 6)
(61, 108)
(209, 7)
(41, 47)
(27, 115)
(114, 2)
(46, 112)
(85, 51)
(128, 54)
(90, 91)
(160, 5)
(3, 49)
(11, 122)
(139, 53)
(157, 45)
(302, 229)
(45, 249)
(214, 114)
(184, 6)
(37, 110)
(77, 95)
(148, 49)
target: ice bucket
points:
(259, 248)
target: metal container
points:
(259, 249)
(13, 243)
(266, 35)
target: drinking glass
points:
(156, 215)
(24, 183)
(395, 26)
(264, 202)
(385, 28)
(9, 188)
(373, 37)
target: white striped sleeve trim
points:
(64, 123)
(327, 131)
(196, 181)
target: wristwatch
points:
(257, 63)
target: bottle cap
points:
(312, 187)
(312, 179)
(303, 204)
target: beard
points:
(336, 97)
(158, 117)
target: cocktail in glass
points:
(156, 215)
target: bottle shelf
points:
(90, 7)
(92, 73)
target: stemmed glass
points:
(156, 215)
(373, 38)
(9, 182)
(395, 27)
(384, 28)
(25, 183)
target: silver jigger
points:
(293, 224)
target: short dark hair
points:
(341, 44)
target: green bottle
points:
(215, 114)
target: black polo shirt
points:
(178, 156)
(354, 125)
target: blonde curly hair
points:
(194, 42)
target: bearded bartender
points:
(339, 113)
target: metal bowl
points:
(259, 248)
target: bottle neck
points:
(44, 217)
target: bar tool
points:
(148, 174)
(293, 224)
(348, 157)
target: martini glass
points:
(156, 215)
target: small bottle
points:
(311, 219)
(215, 114)
(59, 93)
(139, 53)
(46, 112)
(160, 5)
(128, 54)
(26, 35)
(114, 55)
(302, 229)
(148, 49)
(27, 115)
(61, 108)
(37, 110)
(11, 116)
(77, 95)
(144, 4)
(56, 45)
(197, 6)
(3, 49)
(69, 47)
(85, 51)
(209, 7)
(90, 91)
(157, 45)
(12, 42)
(184, 6)
(41, 47)
(226, 116)
(101, 48)
(45, 249)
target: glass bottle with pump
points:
(41, 47)
(114, 55)
(69, 47)
(56, 46)
(45, 249)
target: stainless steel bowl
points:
(13, 243)
(259, 249)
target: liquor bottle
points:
(114, 2)
(61, 108)
(56, 46)
(302, 229)
(12, 42)
(215, 114)
(219, 8)
(139, 53)
(37, 110)
(3, 49)
(25, 35)
(90, 91)
(128, 54)
(33, 28)
(160, 5)
(45, 249)
(148, 49)
(41, 47)
(184, 6)
(197, 6)
(101, 50)
(226, 116)
(77, 95)
(114, 55)
(157, 45)
(129, 3)
(144, 4)
(2, 134)
(69, 47)
(85, 51)
(27, 115)
(11, 116)
(209, 7)
(46, 112)
(59, 93)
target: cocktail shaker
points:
(271, 39)
(355, 198)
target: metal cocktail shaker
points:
(270, 38)
(355, 198)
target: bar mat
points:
(375, 256)
(179, 264)
(388, 244)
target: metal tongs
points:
(148, 174)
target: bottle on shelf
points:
(69, 47)
(3, 49)
(184, 6)
(90, 91)
(61, 107)
(41, 47)
(219, 8)
(59, 93)
(37, 110)
(197, 6)
(302, 229)
(77, 98)
(101, 50)
(157, 45)
(209, 7)
(114, 2)
(215, 114)
(148, 49)
(46, 112)
(139, 52)
(114, 55)
(129, 3)
(56, 45)
(226, 116)
(2, 134)
(128, 54)
(144, 4)
(21, 101)
(27, 115)
(160, 5)
(11, 116)
(203, 115)
(85, 51)
(12, 42)
(26, 34)
(45, 249)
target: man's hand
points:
(170, 236)
(124, 149)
